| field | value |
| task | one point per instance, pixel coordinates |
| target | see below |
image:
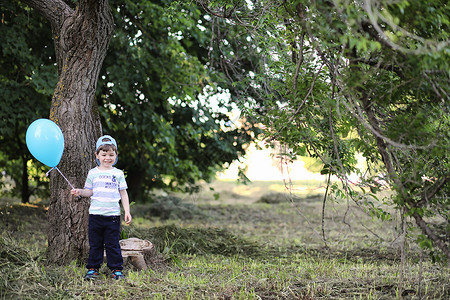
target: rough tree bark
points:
(81, 37)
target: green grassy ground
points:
(233, 247)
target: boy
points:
(106, 186)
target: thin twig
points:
(323, 209)
(402, 256)
(419, 292)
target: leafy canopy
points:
(341, 78)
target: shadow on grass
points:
(200, 241)
(24, 221)
(177, 240)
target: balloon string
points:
(46, 174)
(61, 175)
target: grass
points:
(236, 247)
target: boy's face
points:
(106, 158)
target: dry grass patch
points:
(238, 248)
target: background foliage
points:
(148, 96)
(27, 79)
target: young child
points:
(106, 186)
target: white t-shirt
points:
(106, 185)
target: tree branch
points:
(55, 11)
(431, 191)
(299, 63)
(420, 50)
(383, 149)
(427, 231)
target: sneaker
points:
(117, 274)
(91, 274)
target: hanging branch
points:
(383, 149)
(299, 63)
(323, 209)
(402, 254)
(439, 46)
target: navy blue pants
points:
(104, 234)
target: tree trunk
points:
(81, 39)
(135, 181)
(25, 189)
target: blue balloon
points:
(45, 141)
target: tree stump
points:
(134, 250)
